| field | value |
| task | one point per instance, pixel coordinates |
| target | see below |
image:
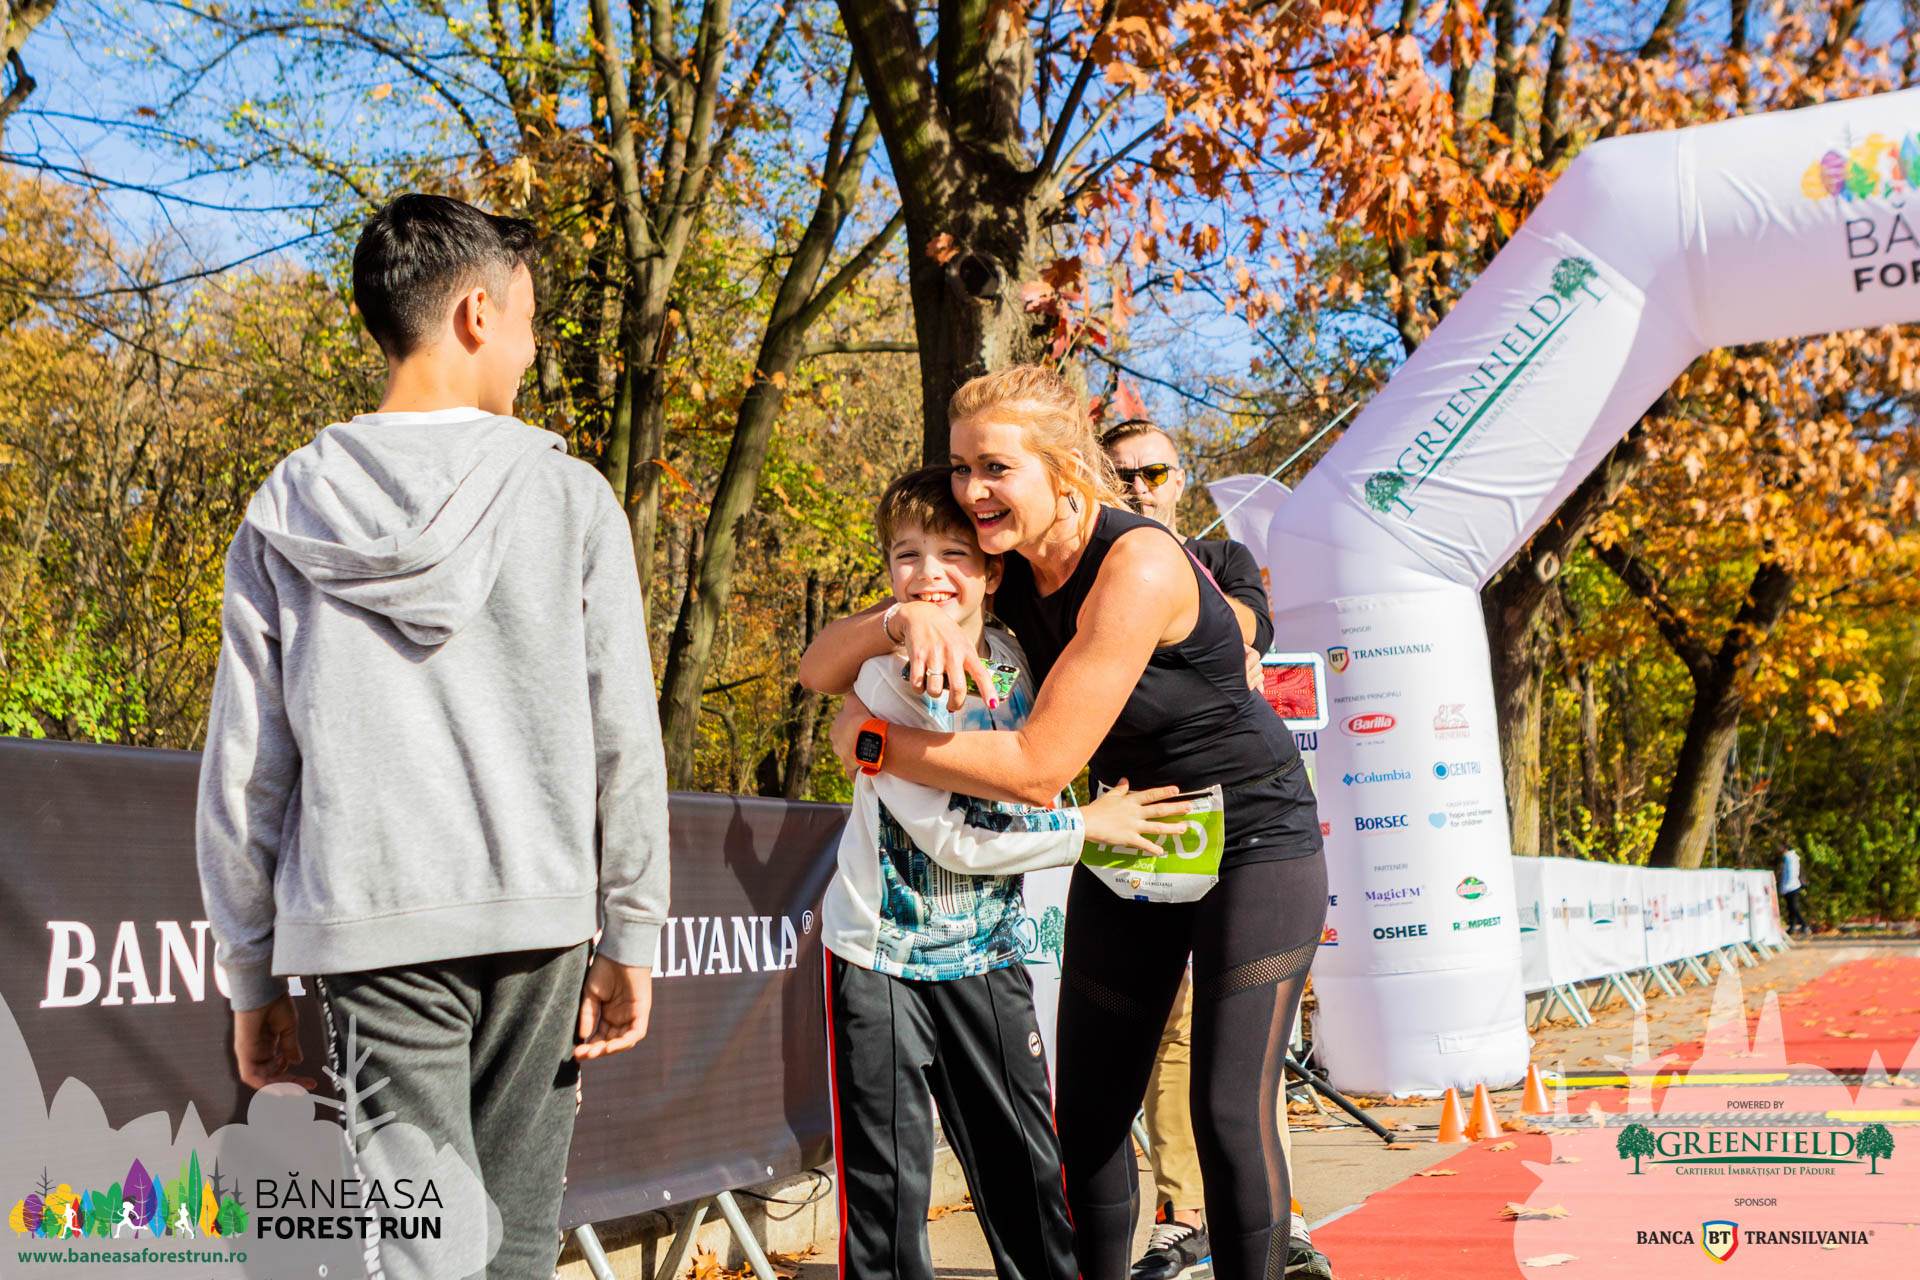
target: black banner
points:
(107, 968)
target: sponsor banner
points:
(1402, 837)
(107, 969)
(1582, 920)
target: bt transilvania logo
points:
(1756, 1148)
(185, 1208)
(1338, 657)
(1370, 724)
(1570, 289)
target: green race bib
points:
(1189, 866)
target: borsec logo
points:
(1369, 725)
(1338, 657)
(1720, 1238)
(1385, 822)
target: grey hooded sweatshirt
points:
(433, 731)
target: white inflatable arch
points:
(1649, 251)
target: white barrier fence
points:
(1627, 927)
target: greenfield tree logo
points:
(1383, 491)
(1569, 274)
(1635, 1141)
(1875, 1143)
(1053, 932)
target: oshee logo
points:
(1371, 724)
(1397, 932)
(1571, 288)
(1385, 822)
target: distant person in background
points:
(1152, 481)
(1792, 891)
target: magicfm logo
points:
(1868, 1146)
(694, 946)
(1571, 288)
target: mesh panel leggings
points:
(1252, 939)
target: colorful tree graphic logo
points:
(189, 1205)
(1053, 932)
(1383, 491)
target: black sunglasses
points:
(1154, 473)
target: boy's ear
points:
(995, 565)
(469, 320)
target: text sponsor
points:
(1366, 777)
(1743, 1150)
(1369, 725)
(1574, 286)
(695, 946)
(1450, 721)
(1483, 922)
(1398, 932)
(1444, 769)
(1402, 893)
(1471, 887)
(1381, 822)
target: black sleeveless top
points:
(1191, 721)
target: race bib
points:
(1189, 866)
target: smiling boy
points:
(927, 991)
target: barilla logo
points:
(1370, 724)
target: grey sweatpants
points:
(479, 1051)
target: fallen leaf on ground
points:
(1549, 1259)
(787, 1265)
(1399, 1146)
(1503, 1146)
(1527, 1212)
(1435, 1173)
(1566, 1159)
(942, 1210)
(1848, 1035)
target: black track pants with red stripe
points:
(972, 1046)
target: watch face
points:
(866, 748)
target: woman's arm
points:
(832, 662)
(1145, 595)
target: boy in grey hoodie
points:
(433, 766)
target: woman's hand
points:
(1125, 819)
(939, 655)
(846, 732)
(1256, 673)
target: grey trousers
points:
(480, 1054)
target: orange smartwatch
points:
(870, 748)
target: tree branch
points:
(1064, 121)
(1644, 582)
(859, 348)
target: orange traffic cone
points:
(1453, 1119)
(1534, 1101)
(1484, 1122)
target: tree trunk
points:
(1514, 605)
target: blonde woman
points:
(1142, 677)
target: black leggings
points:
(1252, 939)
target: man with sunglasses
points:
(1150, 473)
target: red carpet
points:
(1440, 1228)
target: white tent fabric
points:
(1649, 251)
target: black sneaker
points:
(1171, 1249)
(1306, 1262)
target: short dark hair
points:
(418, 252)
(921, 499)
(1131, 428)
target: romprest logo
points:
(1371, 724)
(1385, 822)
(1572, 288)
(1484, 922)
